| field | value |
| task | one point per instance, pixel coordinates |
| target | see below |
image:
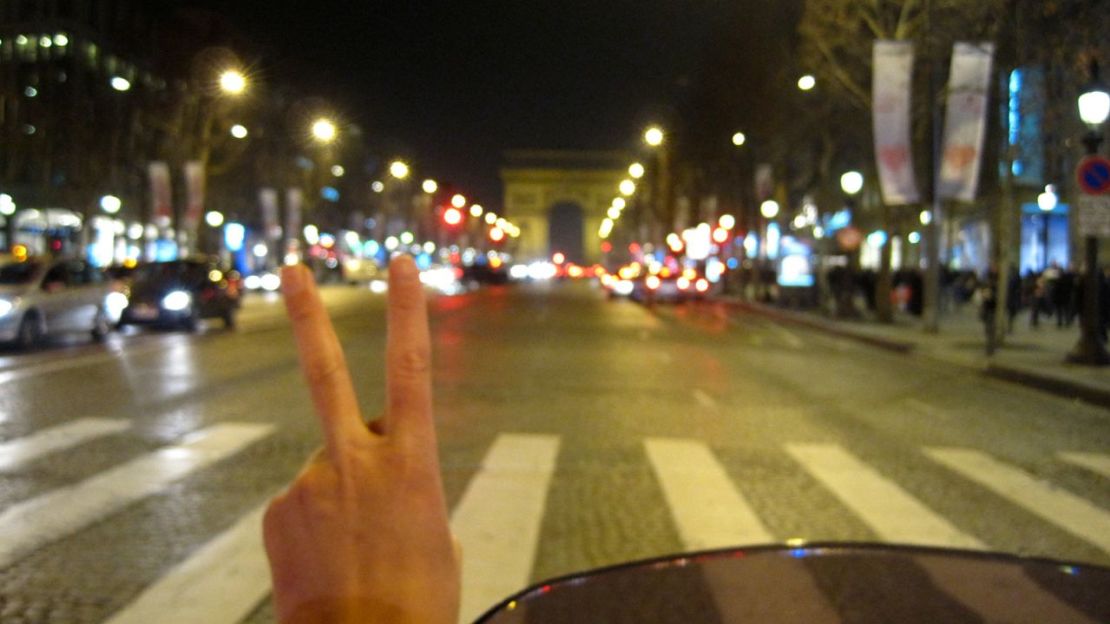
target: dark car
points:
(182, 292)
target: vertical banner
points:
(194, 194)
(965, 123)
(161, 202)
(891, 85)
(268, 203)
(294, 202)
(764, 181)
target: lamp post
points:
(1094, 107)
(851, 183)
(655, 137)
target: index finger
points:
(322, 362)
(408, 355)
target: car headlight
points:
(6, 306)
(177, 301)
(115, 302)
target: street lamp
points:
(769, 209)
(399, 169)
(627, 187)
(654, 136)
(324, 130)
(476, 210)
(636, 170)
(110, 204)
(458, 200)
(119, 83)
(739, 139)
(239, 131)
(851, 182)
(1094, 107)
(233, 82)
(214, 218)
(430, 186)
(807, 82)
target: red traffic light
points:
(452, 216)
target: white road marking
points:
(1095, 462)
(32, 523)
(928, 409)
(790, 338)
(497, 521)
(894, 514)
(221, 583)
(704, 399)
(708, 510)
(66, 362)
(1063, 509)
(14, 453)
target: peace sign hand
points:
(362, 534)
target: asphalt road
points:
(575, 432)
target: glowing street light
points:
(110, 204)
(119, 83)
(739, 139)
(619, 203)
(324, 130)
(429, 186)
(807, 82)
(399, 169)
(239, 131)
(377, 186)
(769, 209)
(233, 82)
(627, 187)
(476, 210)
(727, 221)
(851, 182)
(491, 218)
(338, 171)
(214, 218)
(654, 136)
(458, 200)
(636, 170)
(7, 205)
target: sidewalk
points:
(1033, 357)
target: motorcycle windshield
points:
(818, 584)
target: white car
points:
(41, 297)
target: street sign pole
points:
(1093, 175)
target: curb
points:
(1058, 386)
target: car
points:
(42, 297)
(180, 293)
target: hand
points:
(362, 533)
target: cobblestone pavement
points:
(602, 407)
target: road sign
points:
(1094, 215)
(1093, 175)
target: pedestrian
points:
(1063, 295)
(1039, 303)
(987, 305)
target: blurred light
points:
(215, 275)
(674, 241)
(653, 282)
(851, 182)
(429, 186)
(377, 186)
(379, 286)
(491, 218)
(391, 243)
(619, 203)
(1048, 200)
(110, 204)
(114, 301)
(324, 130)
(614, 212)
(799, 222)
(654, 136)
(727, 221)
(61, 40)
(914, 238)
(623, 287)
(627, 187)
(807, 82)
(458, 201)
(177, 300)
(338, 171)
(371, 248)
(683, 283)
(45, 42)
(496, 234)
(119, 83)
(327, 241)
(7, 204)
(636, 170)
(260, 250)
(292, 259)
(1094, 106)
(30, 92)
(399, 170)
(739, 139)
(270, 282)
(774, 235)
(239, 131)
(407, 238)
(606, 228)
(476, 210)
(769, 209)
(925, 217)
(214, 218)
(606, 246)
(720, 236)
(352, 240)
(818, 231)
(559, 257)
(252, 282)
(877, 238)
(233, 82)
(518, 271)
(429, 247)
(311, 234)
(135, 231)
(452, 216)
(701, 285)
(330, 193)
(733, 263)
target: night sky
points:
(450, 85)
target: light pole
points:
(1094, 107)
(655, 137)
(851, 183)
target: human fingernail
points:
(292, 279)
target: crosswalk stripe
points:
(219, 584)
(15, 453)
(708, 511)
(497, 521)
(1095, 462)
(30, 524)
(894, 514)
(1063, 509)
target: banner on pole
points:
(161, 197)
(194, 194)
(294, 200)
(965, 123)
(268, 203)
(892, 81)
(764, 181)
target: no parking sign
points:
(1093, 175)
